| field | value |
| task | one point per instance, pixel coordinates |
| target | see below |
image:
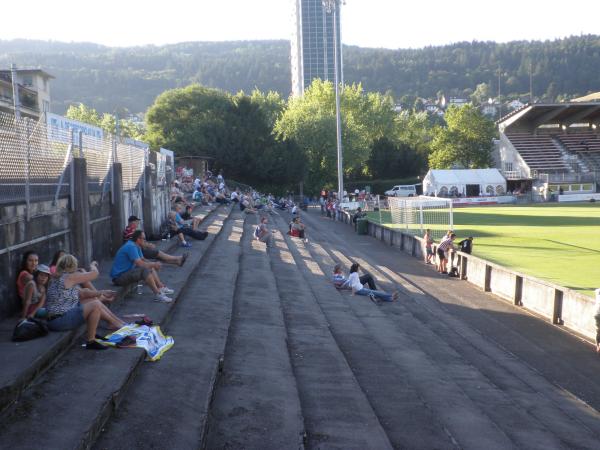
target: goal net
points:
(415, 215)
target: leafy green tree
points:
(393, 160)
(481, 94)
(466, 141)
(310, 121)
(107, 121)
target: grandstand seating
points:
(539, 152)
(585, 144)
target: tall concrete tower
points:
(313, 45)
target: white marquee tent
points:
(464, 182)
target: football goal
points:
(415, 215)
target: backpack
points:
(28, 329)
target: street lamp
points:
(331, 6)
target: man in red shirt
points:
(149, 250)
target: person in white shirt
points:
(359, 289)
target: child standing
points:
(428, 246)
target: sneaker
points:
(183, 258)
(186, 245)
(162, 298)
(166, 290)
(94, 345)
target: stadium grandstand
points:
(551, 147)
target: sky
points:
(365, 23)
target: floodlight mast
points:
(331, 6)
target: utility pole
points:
(331, 7)
(530, 82)
(15, 89)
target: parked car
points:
(407, 190)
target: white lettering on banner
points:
(57, 125)
(483, 200)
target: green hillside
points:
(107, 78)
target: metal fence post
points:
(28, 171)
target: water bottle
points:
(140, 288)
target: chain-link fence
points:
(35, 160)
(32, 163)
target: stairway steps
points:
(69, 404)
(336, 410)
(520, 403)
(405, 415)
(168, 403)
(256, 403)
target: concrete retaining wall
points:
(89, 225)
(560, 305)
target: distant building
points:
(490, 109)
(515, 104)
(456, 101)
(312, 52)
(34, 92)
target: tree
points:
(465, 142)
(310, 121)
(236, 131)
(393, 160)
(481, 94)
(107, 122)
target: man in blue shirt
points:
(130, 267)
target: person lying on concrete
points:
(149, 250)
(359, 289)
(262, 232)
(445, 247)
(297, 228)
(130, 267)
(28, 266)
(341, 282)
(35, 294)
(67, 310)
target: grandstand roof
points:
(532, 116)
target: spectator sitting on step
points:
(297, 228)
(188, 217)
(197, 196)
(176, 194)
(54, 261)
(262, 232)
(182, 228)
(149, 250)
(67, 310)
(359, 289)
(35, 293)
(341, 282)
(29, 263)
(129, 267)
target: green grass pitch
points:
(556, 242)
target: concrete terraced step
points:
(30, 359)
(405, 415)
(167, 404)
(530, 410)
(337, 414)
(256, 402)
(69, 404)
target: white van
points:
(407, 190)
